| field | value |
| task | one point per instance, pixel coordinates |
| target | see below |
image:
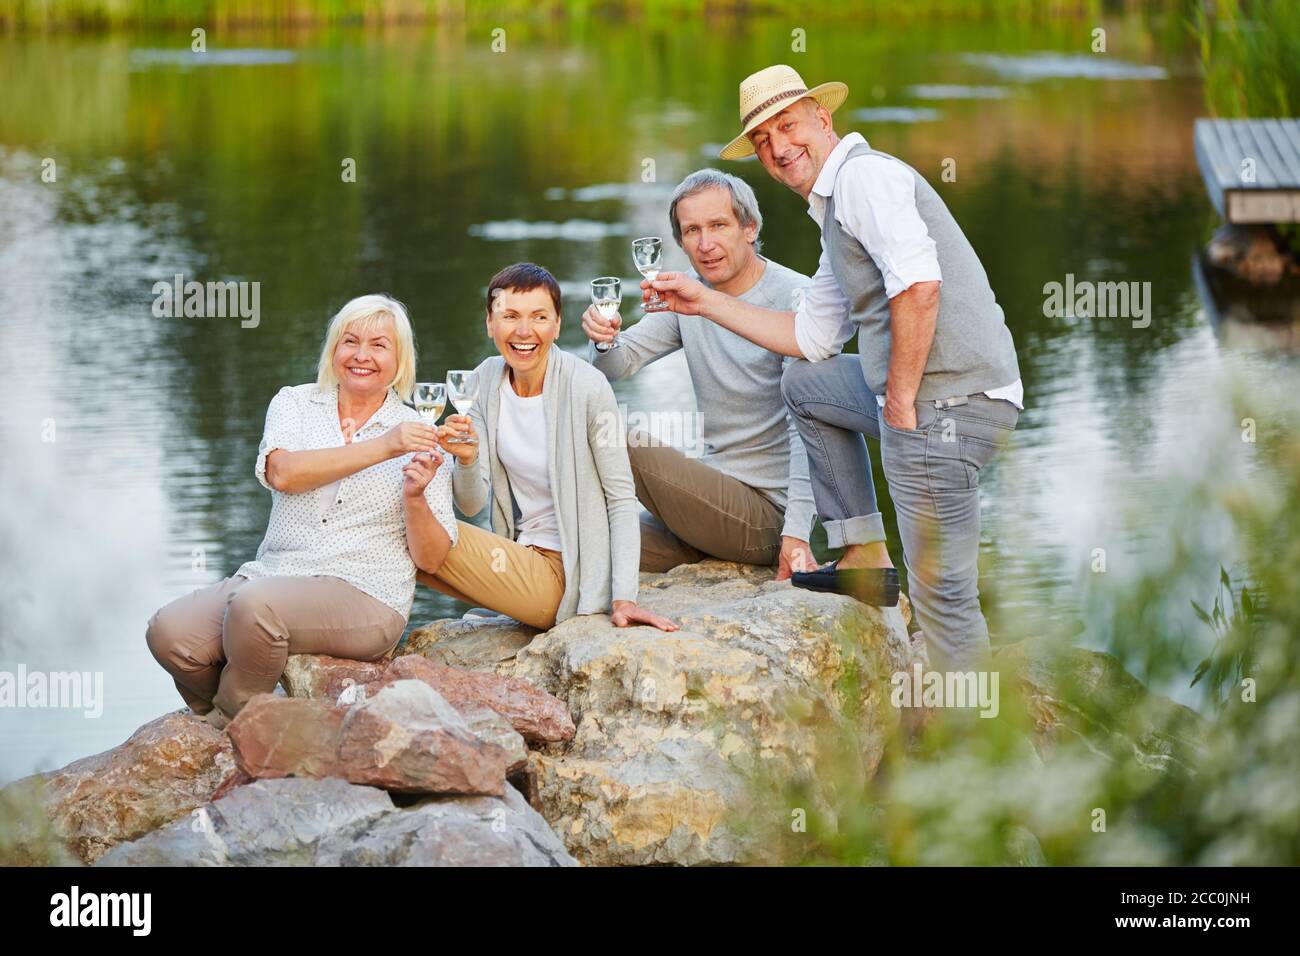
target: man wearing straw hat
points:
(936, 380)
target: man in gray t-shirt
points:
(748, 497)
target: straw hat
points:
(766, 93)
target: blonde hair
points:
(364, 314)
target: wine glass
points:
(461, 386)
(430, 400)
(647, 253)
(607, 294)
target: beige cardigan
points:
(591, 480)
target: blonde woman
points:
(359, 498)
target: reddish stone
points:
(319, 675)
(167, 768)
(402, 737)
(537, 716)
(287, 736)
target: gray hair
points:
(743, 202)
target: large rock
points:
(1073, 693)
(404, 737)
(318, 675)
(537, 716)
(678, 734)
(330, 822)
(164, 771)
(471, 643)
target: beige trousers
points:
(486, 570)
(697, 512)
(224, 643)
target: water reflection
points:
(1245, 316)
(1042, 66)
(466, 162)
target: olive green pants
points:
(694, 511)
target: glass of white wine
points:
(462, 387)
(430, 400)
(607, 295)
(647, 253)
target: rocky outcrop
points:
(1073, 693)
(405, 738)
(488, 643)
(164, 771)
(679, 733)
(334, 823)
(648, 747)
(537, 716)
(318, 675)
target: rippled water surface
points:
(227, 166)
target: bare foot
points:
(874, 555)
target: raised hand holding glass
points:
(607, 296)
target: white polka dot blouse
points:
(355, 528)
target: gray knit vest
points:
(972, 350)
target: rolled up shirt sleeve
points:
(875, 200)
(283, 430)
(821, 320)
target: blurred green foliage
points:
(1084, 765)
(1250, 55)
(44, 14)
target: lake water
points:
(129, 440)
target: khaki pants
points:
(224, 643)
(697, 512)
(484, 569)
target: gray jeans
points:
(933, 478)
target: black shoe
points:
(875, 586)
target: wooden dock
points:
(1251, 168)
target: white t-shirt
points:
(521, 446)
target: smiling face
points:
(365, 360)
(793, 144)
(712, 237)
(523, 325)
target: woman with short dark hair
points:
(551, 459)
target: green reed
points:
(1250, 55)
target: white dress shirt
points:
(875, 202)
(354, 528)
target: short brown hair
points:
(524, 277)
